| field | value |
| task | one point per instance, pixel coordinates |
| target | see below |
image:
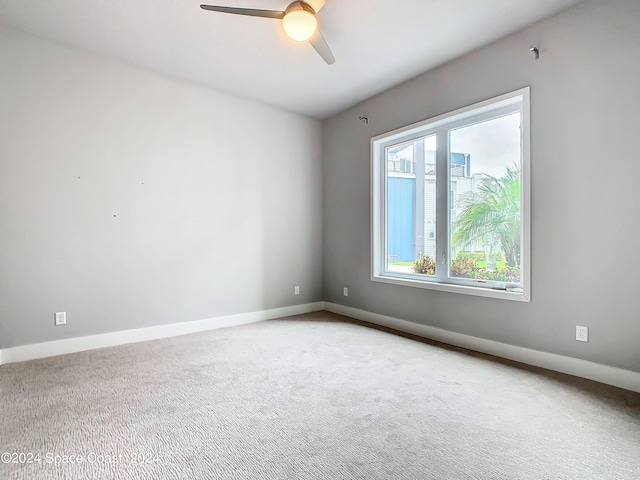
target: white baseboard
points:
(79, 344)
(617, 377)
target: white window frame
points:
(491, 108)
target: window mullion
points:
(442, 201)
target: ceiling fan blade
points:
(318, 42)
(315, 4)
(251, 12)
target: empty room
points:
(319, 239)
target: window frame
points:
(491, 108)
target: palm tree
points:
(492, 215)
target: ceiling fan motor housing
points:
(293, 6)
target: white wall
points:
(129, 200)
(584, 170)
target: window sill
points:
(452, 288)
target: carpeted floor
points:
(309, 397)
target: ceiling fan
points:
(299, 21)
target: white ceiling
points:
(377, 43)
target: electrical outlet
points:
(582, 333)
(296, 290)
(61, 318)
(345, 291)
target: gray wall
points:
(585, 196)
(129, 200)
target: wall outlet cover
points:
(61, 318)
(582, 333)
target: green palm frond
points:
(492, 213)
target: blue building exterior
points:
(401, 218)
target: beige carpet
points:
(309, 397)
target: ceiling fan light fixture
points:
(300, 25)
(299, 22)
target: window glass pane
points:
(400, 218)
(411, 207)
(485, 214)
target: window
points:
(450, 201)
